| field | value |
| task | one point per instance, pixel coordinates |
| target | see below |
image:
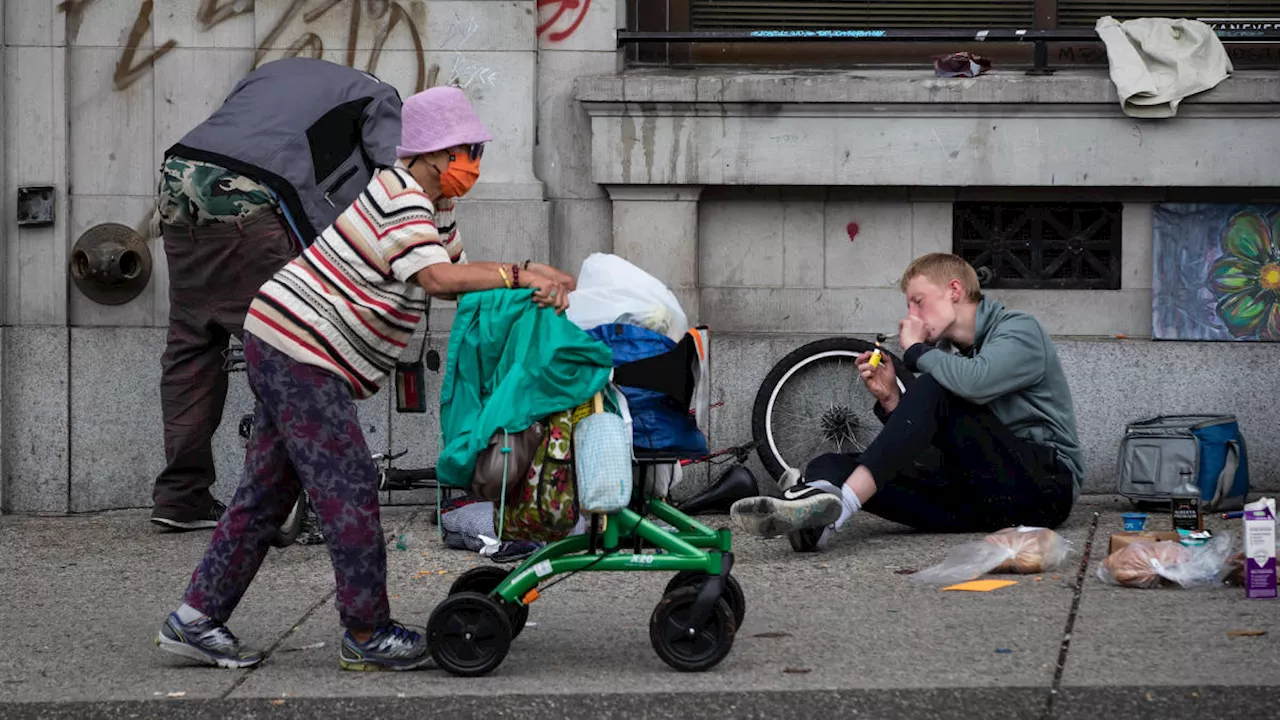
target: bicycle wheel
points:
(813, 402)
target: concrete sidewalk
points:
(826, 635)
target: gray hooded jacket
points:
(312, 131)
(1013, 369)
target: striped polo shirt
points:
(349, 303)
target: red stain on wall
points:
(852, 229)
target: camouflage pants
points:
(200, 194)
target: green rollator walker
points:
(693, 626)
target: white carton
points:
(1260, 549)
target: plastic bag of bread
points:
(1033, 550)
(1153, 564)
(1135, 564)
(1012, 550)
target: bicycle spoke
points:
(798, 416)
(840, 443)
(813, 442)
(822, 406)
(811, 438)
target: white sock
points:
(850, 505)
(188, 614)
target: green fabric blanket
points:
(510, 364)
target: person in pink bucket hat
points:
(322, 333)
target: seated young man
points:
(991, 397)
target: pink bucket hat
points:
(438, 118)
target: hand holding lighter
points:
(875, 354)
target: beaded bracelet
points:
(515, 275)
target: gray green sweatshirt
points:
(1013, 369)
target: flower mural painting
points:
(1216, 272)
(1247, 277)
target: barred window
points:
(1063, 246)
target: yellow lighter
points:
(875, 354)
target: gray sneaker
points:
(207, 641)
(803, 506)
(392, 647)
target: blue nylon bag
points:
(656, 421)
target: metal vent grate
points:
(1084, 13)
(1065, 246)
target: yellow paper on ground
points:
(982, 585)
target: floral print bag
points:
(545, 506)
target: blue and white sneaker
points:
(804, 506)
(207, 641)
(392, 647)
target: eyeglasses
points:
(476, 151)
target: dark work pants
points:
(988, 478)
(214, 274)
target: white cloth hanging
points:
(1156, 63)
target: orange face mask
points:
(462, 173)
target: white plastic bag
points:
(964, 562)
(1146, 564)
(1030, 549)
(1208, 564)
(1013, 550)
(611, 289)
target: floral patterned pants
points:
(304, 420)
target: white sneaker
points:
(802, 507)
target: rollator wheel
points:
(732, 591)
(690, 649)
(469, 634)
(484, 580)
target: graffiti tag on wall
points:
(388, 15)
(466, 71)
(310, 45)
(559, 19)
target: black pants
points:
(987, 479)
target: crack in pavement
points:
(1065, 648)
(306, 615)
